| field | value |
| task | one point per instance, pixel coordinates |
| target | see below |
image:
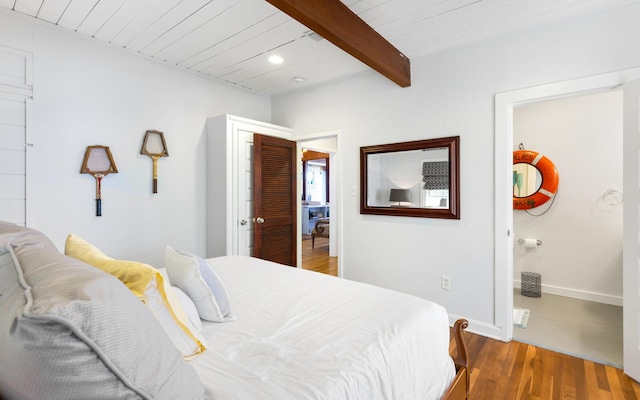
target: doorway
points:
(316, 212)
(578, 233)
(319, 200)
(504, 238)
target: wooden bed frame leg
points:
(459, 388)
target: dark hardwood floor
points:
(515, 370)
(317, 259)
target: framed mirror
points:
(535, 179)
(411, 179)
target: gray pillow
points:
(71, 331)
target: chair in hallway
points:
(320, 230)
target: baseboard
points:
(478, 327)
(577, 294)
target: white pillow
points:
(149, 286)
(189, 308)
(185, 301)
(200, 282)
(165, 304)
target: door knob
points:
(260, 220)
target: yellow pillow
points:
(150, 287)
(134, 275)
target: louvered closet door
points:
(274, 199)
(15, 100)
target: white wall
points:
(581, 254)
(87, 93)
(452, 93)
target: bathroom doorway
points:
(578, 233)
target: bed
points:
(69, 330)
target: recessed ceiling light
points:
(276, 59)
(298, 79)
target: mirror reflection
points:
(411, 179)
(527, 179)
(414, 179)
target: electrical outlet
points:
(354, 190)
(445, 282)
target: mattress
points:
(304, 335)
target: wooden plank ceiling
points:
(230, 40)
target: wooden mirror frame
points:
(452, 144)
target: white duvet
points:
(304, 335)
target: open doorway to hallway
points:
(319, 203)
(316, 212)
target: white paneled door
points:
(631, 245)
(245, 193)
(15, 100)
(12, 158)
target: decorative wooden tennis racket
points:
(155, 147)
(98, 163)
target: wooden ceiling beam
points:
(335, 22)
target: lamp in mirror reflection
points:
(98, 162)
(399, 196)
(155, 147)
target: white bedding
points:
(304, 335)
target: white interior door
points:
(245, 193)
(13, 154)
(15, 101)
(631, 241)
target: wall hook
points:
(612, 197)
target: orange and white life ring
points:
(550, 179)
